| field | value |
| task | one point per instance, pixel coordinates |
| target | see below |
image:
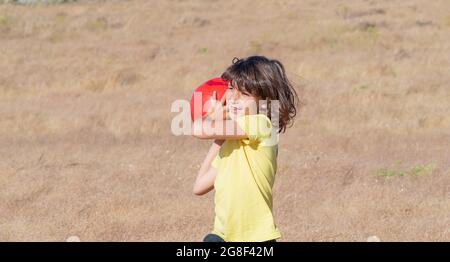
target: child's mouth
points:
(234, 109)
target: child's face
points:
(239, 104)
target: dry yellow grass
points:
(85, 95)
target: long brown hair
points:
(265, 79)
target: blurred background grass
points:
(85, 95)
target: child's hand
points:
(218, 110)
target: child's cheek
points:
(250, 108)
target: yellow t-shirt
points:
(243, 186)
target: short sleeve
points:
(256, 127)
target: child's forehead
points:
(241, 89)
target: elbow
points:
(198, 191)
(199, 135)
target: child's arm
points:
(217, 124)
(206, 129)
(207, 174)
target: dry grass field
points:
(86, 90)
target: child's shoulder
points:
(255, 117)
(257, 126)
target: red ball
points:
(202, 96)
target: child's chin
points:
(235, 115)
